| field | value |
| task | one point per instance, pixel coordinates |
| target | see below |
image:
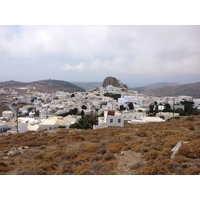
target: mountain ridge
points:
(190, 89)
(49, 85)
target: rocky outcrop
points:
(114, 82)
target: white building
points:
(167, 115)
(54, 122)
(145, 120)
(133, 115)
(7, 114)
(196, 103)
(111, 118)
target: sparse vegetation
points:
(134, 149)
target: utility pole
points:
(17, 120)
(173, 105)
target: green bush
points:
(86, 122)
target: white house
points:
(7, 114)
(111, 118)
(115, 120)
(145, 120)
(196, 103)
(167, 115)
(54, 122)
(133, 115)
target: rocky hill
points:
(133, 149)
(192, 89)
(114, 82)
(40, 86)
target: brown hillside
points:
(49, 86)
(134, 149)
(192, 89)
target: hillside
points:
(88, 85)
(11, 84)
(134, 149)
(40, 86)
(192, 89)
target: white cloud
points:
(75, 68)
(97, 51)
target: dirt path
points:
(126, 160)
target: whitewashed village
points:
(113, 105)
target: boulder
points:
(114, 82)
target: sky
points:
(137, 55)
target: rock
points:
(5, 158)
(114, 82)
(176, 148)
(25, 147)
(20, 148)
(12, 152)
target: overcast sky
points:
(137, 55)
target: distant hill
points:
(171, 89)
(161, 85)
(88, 85)
(41, 86)
(11, 83)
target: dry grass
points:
(89, 152)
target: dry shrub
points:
(57, 154)
(193, 170)
(94, 140)
(142, 134)
(152, 170)
(91, 148)
(48, 166)
(116, 147)
(136, 145)
(49, 157)
(179, 158)
(36, 171)
(33, 143)
(97, 157)
(67, 168)
(39, 156)
(62, 131)
(41, 172)
(153, 154)
(137, 166)
(165, 161)
(69, 155)
(175, 167)
(191, 128)
(190, 118)
(4, 169)
(60, 137)
(83, 157)
(166, 152)
(185, 165)
(126, 148)
(103, 168)
(83, 169)
(3, 164)
(76, 138)
(191, 149)
(42, 147)
(108, 156)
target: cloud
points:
(74, 68)
(131, 53)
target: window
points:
(111, 120)
(119, 120)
